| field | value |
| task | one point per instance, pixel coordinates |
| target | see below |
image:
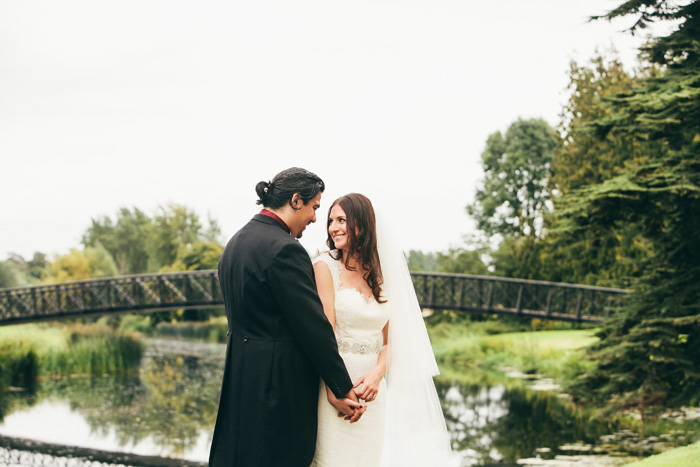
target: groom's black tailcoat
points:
(279, 343)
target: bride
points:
(368, 297)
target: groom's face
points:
(306, 215)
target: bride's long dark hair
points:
(362, 240)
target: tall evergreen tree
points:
(649, 354)
(612, 257)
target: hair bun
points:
(262, 188)
(279, 192)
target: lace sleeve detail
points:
(332, 265)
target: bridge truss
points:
(200, 289)
(500, 295)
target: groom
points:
(279, 340)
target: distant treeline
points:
(172, 239)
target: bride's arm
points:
(348, 406)
(367, 386)
(326, 292)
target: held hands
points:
(367, 387)
(348, 407)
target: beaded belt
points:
(362, 348)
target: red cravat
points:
(274, 216)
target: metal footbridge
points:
(200, 289)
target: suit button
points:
(245, 338)
(228, 333)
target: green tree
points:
(173, 226)
(125, 239)
(9, 275)
(35, 267)
(139, 243)
(462, 261)
(517, 167)
(606, 258)
(198, 256)
(80, 265)
(100, 261)
(16, 272)
(585, 157)
(520, 257)
(213, 231)
(421, 262)
(73, 266)
(648, 354)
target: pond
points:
(169, 407)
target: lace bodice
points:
(358, 322)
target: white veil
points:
(416, 434)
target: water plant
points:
(94, 350)
(29, 351)
(18, 364)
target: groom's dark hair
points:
(281, 189)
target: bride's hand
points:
(347, 407)
(367, 387)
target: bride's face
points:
(337, 227)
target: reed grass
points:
(19, 365)
(94, 350)
(62, 350)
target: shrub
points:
(18, 364)
(211, 332)
(137, 323)
(94, 350)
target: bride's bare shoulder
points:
(325, 257)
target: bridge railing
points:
(536, 299)
(200, 289)
(143, 292)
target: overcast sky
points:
(142, 103)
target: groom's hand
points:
(348, 407)
(359, 409)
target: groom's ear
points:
(296, 202)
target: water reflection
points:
(499, 425)
(169, 409)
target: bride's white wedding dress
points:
(358, 329)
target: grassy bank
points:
(32, 350)
(554, 354)
(213, 330)
(687, 456)
(471, 354)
